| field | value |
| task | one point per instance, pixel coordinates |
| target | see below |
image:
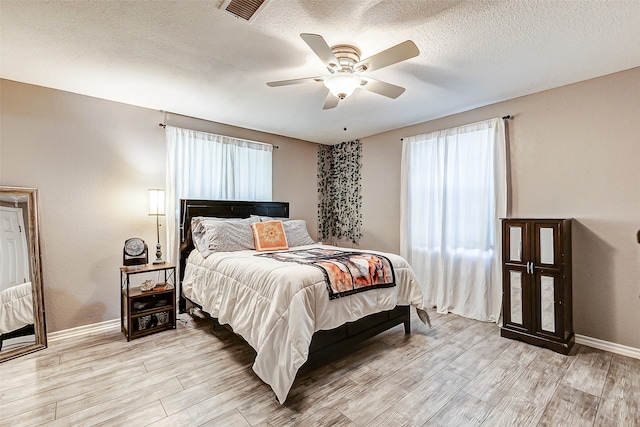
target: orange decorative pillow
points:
(269, 236)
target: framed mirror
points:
(22, 322)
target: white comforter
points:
(16, 307)
(277, 306)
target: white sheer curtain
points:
(207, 166)
(453, 195)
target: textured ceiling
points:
(191, 58)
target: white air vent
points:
(244, 9)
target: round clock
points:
(135, 252)
(134, 246)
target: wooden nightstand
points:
(146, 312)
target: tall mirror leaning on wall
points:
(22, 322)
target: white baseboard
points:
(608, 346)
(108, 325)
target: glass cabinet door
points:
(515, 243)
(515, 238)
(515, 297)
(547, 304)
(547, 244)
(547, 255)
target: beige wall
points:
(575, 152)
(93, 161)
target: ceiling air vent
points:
(245, 9)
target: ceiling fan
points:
(346, 68)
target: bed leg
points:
(407, 320)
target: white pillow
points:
(222, 235)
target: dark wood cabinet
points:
(536, 282)
(149, 311)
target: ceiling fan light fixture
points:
(345, 68)
(342, 84)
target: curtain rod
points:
(275, 147)
(507, 117)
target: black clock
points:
(135, 252)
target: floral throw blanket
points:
(345, 272)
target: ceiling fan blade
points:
(322, 49)
(295, 81)
(382, 88)
(330, 101)
(393, 55)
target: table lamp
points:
(157, 209)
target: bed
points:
(282, 308)
(16, 312)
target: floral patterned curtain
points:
(339, 191)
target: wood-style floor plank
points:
(514, 410)
(621, 394)
(588, 372)
(136, 417)
(61, 388)
(459, 372)
(529, 395)
(570, 407)
(538, 382)
(461, 410)
(33, 417)
(120, 406)
(374, 397)
(471, 363)
(495, 381)
(220, 402)
(139, 385)
(230, 419)
(417, 407)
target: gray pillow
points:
(296, 232)
(196, 220)
(229, 235)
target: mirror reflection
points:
(547, 302)
(546, 245)
(22, 327)
(516, 297)
(515, 243)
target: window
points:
(207, 166)
(453, 195)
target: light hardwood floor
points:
(460, 372)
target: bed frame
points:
(323, 343)
(22, 332)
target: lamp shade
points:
(156, 202)
(342, 84)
